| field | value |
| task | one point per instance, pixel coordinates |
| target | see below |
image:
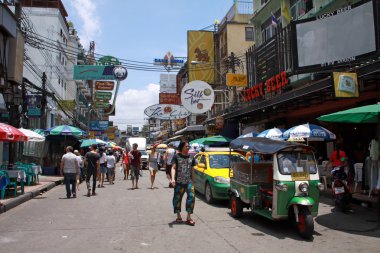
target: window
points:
(268, 30)
(291, 162)
(300, 7)
(249, 34)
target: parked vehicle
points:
(340, 189)
(283, 184)
(211, 173)
(144, 159)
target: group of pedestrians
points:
(178, 166)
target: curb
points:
(28, 196)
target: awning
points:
(194, 128)
(175, 138)
(163, 132)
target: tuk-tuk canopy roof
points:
(262, 145)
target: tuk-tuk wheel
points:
(305, 223)
(236, 207)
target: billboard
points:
(346, 85)
(197, 97)
(104, 85)
(166, 112)
(169, 98)
(103, 95)
(99, 72)
(168, 83)
(238, 80)
(200, 48)
(335, 39)
(98, 125)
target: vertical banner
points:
(34, 106)
(200, 48)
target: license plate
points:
(296, 176)
(339, 190)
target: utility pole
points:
(232, 62)
(43, 101)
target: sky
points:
(140, 31)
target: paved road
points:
(122, 220)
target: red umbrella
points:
(10, 133)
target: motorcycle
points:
(340, 188)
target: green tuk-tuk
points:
(280, 182)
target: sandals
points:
(179, 221)
(190, 222)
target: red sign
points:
(104, 85)
(273, 84)
(169, 98)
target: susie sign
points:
(197, 97)
(166, 112)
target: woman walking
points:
(126, 163)
(103, 167)
(111, 162)
(182, 178)
(153, 166)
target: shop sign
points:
(169, 98)
(170, 60)
(102, 105)
(91, 134)
(197, 97)
(346, 85)
(238, 80)
(98, 125)
(67, 105)
(99, 72)
(104, 85)
(111, 136)
(219, 122)
(273, 84)
(103, 95)
(34, 106)
(166, 112)
(211, 129)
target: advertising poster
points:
(200, 45)
(346, 85)
(34, 106)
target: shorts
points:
(103, 168)
(111, 171)
(135, 172)
(168, 169)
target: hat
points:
(76, 151)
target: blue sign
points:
(98, 72)
(99, 125)
(34, 106)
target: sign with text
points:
(34, 106)
(103, 95)
(166, 112)
(197, 97)
(346, 85)
(67, 105)
(99, 72)
(273, 84)
(104, 85)
(238, 80)
(98, 125)
(169, 98)
(168, 83)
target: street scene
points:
(189, 126)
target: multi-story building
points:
(48, 50)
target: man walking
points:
(69, 168)
(182, 178)
(168, 157)
(135, 166)
(93, 168)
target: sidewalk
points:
(46, 183)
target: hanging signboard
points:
(103, 95)
(346, 85)
(166, 112)
(102, 105)
(238, 80)
(104, 85)
(34, 106)
(169, 98)
(67, 105)
(197, 97)
(99, 72)
(98, 125)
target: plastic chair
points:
(28, 176)
(33, 175)
(8, 184)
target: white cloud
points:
(87, 12)
(130, 105)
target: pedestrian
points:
(336, 156)
(182, 178)
(168, 157)
(111, 163)
(136, 163)
(103, 167)
(80, 166)
(153, 165)
(93, 168)
(69, 168)
(126, 163)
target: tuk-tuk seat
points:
(267, 191)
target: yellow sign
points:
(346, 85)
(239, 80)
(111, 136)
(67, 105)
(91, 134)
(200, 46)
(297, 176)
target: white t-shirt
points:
(69, 162)
(170, 155)
(110, 161)
(102, 158)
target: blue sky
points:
(141, 31)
